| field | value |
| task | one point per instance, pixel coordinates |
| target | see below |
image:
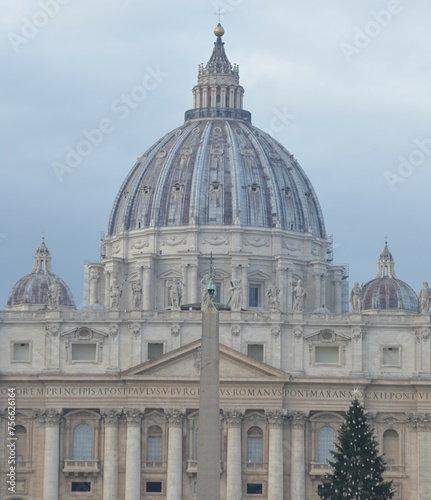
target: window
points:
(154, 444)
(391, 356)
(21, 443)
(254, 489)
(155, 350)
(327, 354)
(84, 352)
(255, 351)
(81, 486)
(153, 487)
(391, 445)
(325, 444)
(254, 445)
(254, 295)
(82, 443)
(21, 352)
(218, 296)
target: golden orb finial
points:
(219, 30)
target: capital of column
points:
(419, 421)
(233, 417)
(275, 418)
(133, 416)
(174, 416)
(49, 417)
(110, 416)
(297, 418)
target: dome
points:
(386, 291)
(217, 169)
(41, 287)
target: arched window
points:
(254, 445)
(82, 442)
(325, 444)
(21, 443)
(154, 444)
(391, 446)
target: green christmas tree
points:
(357, 467)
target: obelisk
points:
(208, 467)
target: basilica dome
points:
(41, 287)
(217, 168)
(386, 291)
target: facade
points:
(107, 398)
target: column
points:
(317, 279)
(275, 454)
(289, 292)
(223, 97)
(297, 471)
(50, 419)
(94, 284)
(193, 296)
(147, 282)
(337, 293)
(233, 463)
(420, 422)
(133, 453)
(107, 287)
(110, 460)
(174, 417)
(231, 97)
(323, 289)
(244, 284)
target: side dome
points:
(41, 287)
(217, 169)
(386, 291)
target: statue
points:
(54, 292)
(114, 294)
(175, 294)
(137, 294)
(272, 297)
(356, 297)
(424, 298)
(204, 291)
(299, 296)
(235, 300)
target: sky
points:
(344, 85)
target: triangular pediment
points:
(184, 363)
(326, 335)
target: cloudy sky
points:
(344, 85)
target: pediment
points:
(184, 363)
(83, 334)
(326, 335)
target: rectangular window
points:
(21, 352)
(153, 487)
(154, 449)
(255, 351)
(155, 350)
(254, 295)
(218, 297)
(254, 489)
(329, 355)
(81, 486)
(84, 352)
(391, 356)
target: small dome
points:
(386, 291)
(41, 287)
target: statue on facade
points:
(54, 292)
(272, 294)
(356, 297)
(175, 294)
(299, 294)
(204, 291)
(137, 294)
(424, 298)
(235, 300)
(114, 294)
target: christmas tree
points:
(357, 467)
